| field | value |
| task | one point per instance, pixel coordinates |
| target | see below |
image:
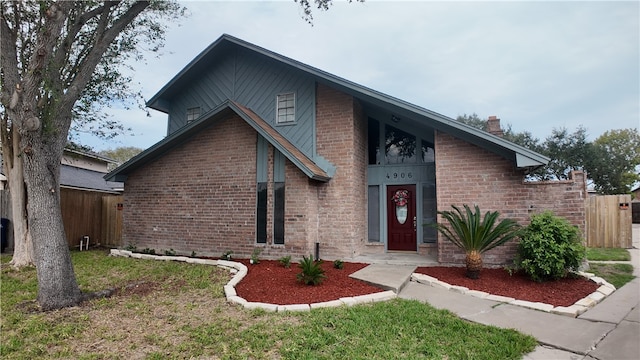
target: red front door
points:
(401, 217)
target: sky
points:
(535, 65)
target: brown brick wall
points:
(200, 196)
(341, 139)
(467, 174)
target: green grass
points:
(608, 254)
(615, 274)
(399, 329)
(186, 316)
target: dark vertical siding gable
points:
(207, 91)
(254, 81)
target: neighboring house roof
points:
(77, 178)
(92, 155)
(84, 179)
(373, 102)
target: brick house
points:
(263, 151)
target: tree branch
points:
(33, 77)
(88, 65)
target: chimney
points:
(493, 126)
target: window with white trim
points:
(286, 108)
(192, 114)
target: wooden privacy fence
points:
(609, 221)
(93, 214)
(112, 221)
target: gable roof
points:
(293, 154)
(522, 157)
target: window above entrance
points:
(389, 145)
(400, 146)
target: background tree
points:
(610, 162)
(120, 155)
(568, 152)
(613, 165)
(473, 120)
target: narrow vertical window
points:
(261, 216)
(373, 142)
(261, 190)
(373, 209)
(192, 114)
(429, 211)
(279, 162)
(286, 108)
(278, 213)
(428, 154)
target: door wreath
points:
(401, 197)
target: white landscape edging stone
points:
(240, 271)
(574, 310)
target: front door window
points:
(400, 200)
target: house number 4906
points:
(400, 175)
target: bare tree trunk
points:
(57, 286)
(23, 254)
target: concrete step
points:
(385, 276)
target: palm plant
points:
(312, 271)
(467, 231)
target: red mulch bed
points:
(270, 282)
(563, 292)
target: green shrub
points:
(170, 252)
(312, 273)
(285, 261)
(131, 247)
(338, 264)
(148, 251)
(550, 247)
(255, 256)
(226, 255)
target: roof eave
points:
(524, 158)
(275, 143)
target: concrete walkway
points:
(610, 330)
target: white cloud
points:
(536, 65)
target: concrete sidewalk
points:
(608, 331)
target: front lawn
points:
(615, 274)
(608, 254)
(168, 310)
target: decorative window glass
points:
(286, 109)
(192, 114)
(401, 200)
(400, 146)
